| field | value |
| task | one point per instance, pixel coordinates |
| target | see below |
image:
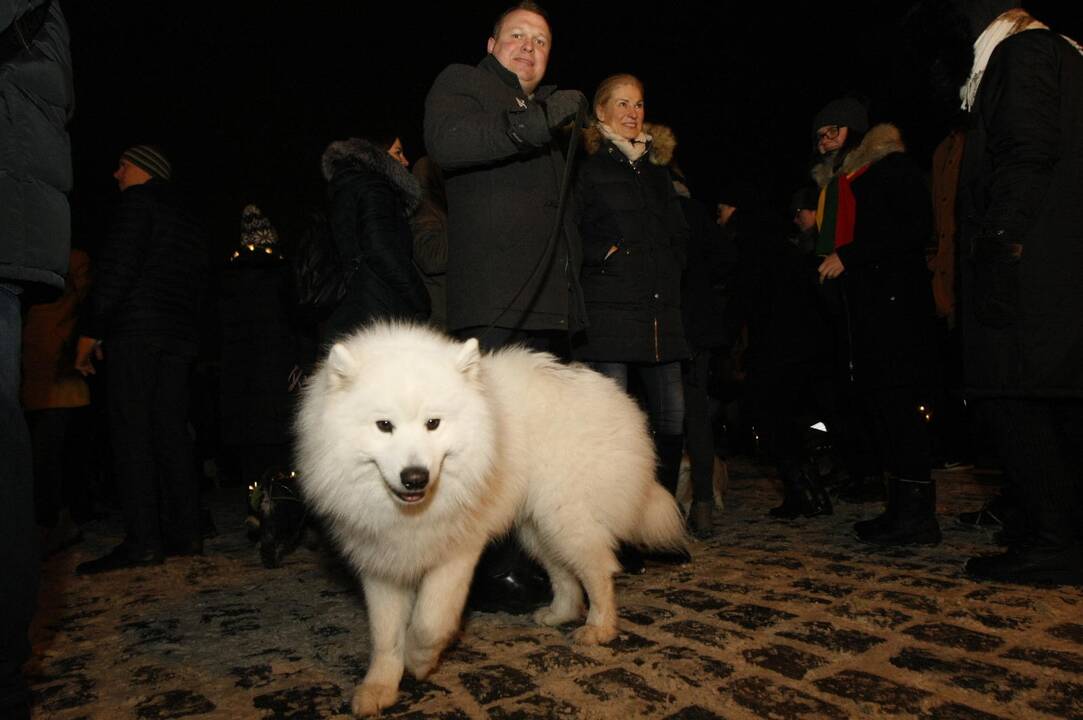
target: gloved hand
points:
(528, 126)
(561, 106)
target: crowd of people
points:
(542, 218)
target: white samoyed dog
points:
(418, 450)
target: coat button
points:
(656, 296)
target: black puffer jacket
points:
(633, 296)
(150, 277)
(35, 154)
(371, 197)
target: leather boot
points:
(1049, 552)
(875, 525)
(700, 520)
(909, 520)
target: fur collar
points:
(662, 142)
(879, 142)
(358, 153)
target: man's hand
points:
(561, 106)
(84, 350)
(831, 267)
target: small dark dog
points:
(277, 517)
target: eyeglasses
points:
(828, 133)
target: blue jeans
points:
(662, 386)
(19, 559)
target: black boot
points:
(876, 525)
(1031, 563)
(910, 518)
(804, 496)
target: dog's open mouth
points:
(410, 498)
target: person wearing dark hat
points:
(144, 311)
(876, 215)
(1020, 214)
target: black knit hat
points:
(806, 198)
(150, 159)
(844, 112)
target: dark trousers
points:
(48, 436)
(19, 558)
(901, 435)
(152, 450)
(698, 432)
(662, 386)
(788, 400)
(1041, 448)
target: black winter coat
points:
(886, 279)
(371, 197)
(260, 347)
(502, 199)
(150, 277)
(1020, 212)
(633, 296)
(35, 154)
(708, 277)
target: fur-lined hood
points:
(357, 152)
(879, 142)
(663, 142)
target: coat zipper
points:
(657, 348)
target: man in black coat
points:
(1020, 207)
(490, 130)
(35, 173)
(145, 309)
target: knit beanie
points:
(844, 112)
(806, 198)
(150, 159)
(256, 230)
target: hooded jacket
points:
(632, 293)
(371, 197)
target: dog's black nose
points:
(414, 478)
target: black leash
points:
(551, 244)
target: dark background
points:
(243, 97)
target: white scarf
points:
(632, 149)
(1006, 25)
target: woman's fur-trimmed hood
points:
(663, 142)
(879, 142)
(357, 152)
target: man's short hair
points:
(527, 5)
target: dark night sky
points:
(244, 96)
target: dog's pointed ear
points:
(342, 366)
(469, 360)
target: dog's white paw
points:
(421, 661)
(594, 635)
(370, 699)
(552, 616)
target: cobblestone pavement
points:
(771, 620)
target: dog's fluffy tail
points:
(661, 526)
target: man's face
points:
(830, 138)
(523, 47)
(805, 219)
(128, 174)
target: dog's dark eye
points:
(432, 423)
(384, 426)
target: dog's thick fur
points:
(418, 449)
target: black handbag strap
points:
(21, 32)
